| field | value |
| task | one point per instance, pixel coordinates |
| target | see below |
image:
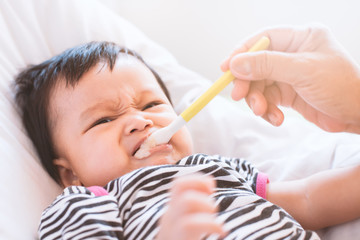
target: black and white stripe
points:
(137, 200)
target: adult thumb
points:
(270, 65)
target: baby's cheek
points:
(164, 118)
(98, 164)
(99, 174)
(183, 143)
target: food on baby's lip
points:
(142, 153)
(144, 150)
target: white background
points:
(201, 33)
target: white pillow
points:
(34, 30)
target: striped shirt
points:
(135, 202)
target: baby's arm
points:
(324, 199)
(191, 212)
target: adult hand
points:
(304, 68)
(191, 211)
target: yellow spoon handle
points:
(219, 85)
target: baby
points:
(87, 111)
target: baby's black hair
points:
(34, 85)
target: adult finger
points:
(256, 99)
(240, 89)
(274, 66)
(282, 38)
(274, 115)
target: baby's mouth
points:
(134, 153)
(146, 151)
(143, 151)
(148, 146)
(138, 146)
(143, 147)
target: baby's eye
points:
(98, 122)
(101, 121)
(151, 104)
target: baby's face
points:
(99, 125)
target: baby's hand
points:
(191, 213)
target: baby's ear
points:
(67, 175)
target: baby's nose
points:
(137, 123)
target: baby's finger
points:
(195, 202)
(196, 182)
(199, 225)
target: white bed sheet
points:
(34, 30)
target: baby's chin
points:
(164, 159)
(155, 160)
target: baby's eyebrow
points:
(102, 105)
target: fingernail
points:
(273, 119)
(224, 62)
(252, 104)
(243, 68)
